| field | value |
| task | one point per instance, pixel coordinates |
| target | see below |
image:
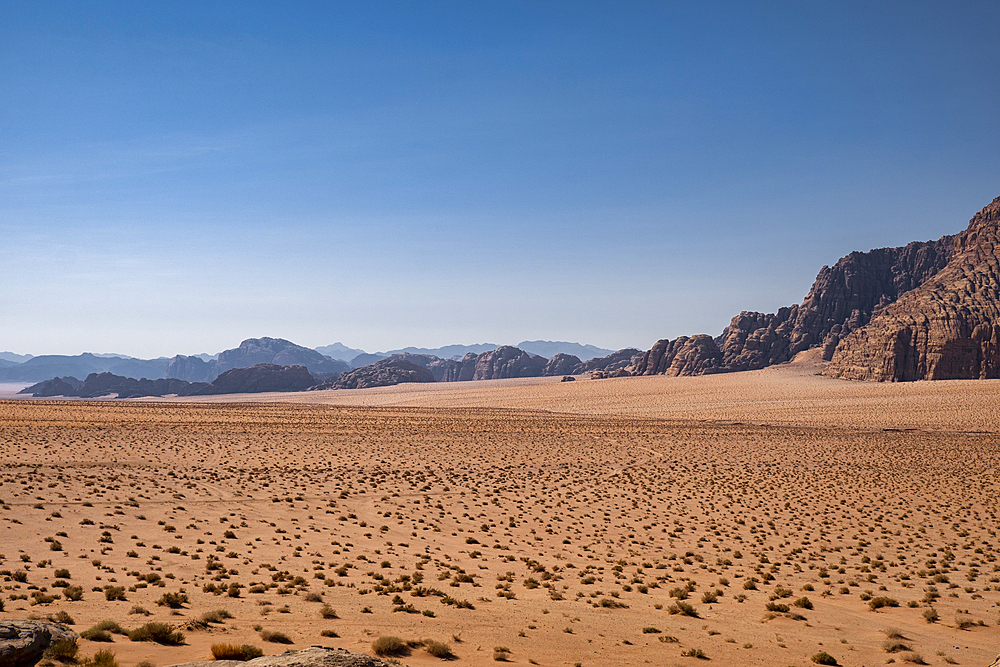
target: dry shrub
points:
(389, 646)
(234, 652)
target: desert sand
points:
(756, 518)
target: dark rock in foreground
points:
(310, 657)
(66, 386)
(23, 642)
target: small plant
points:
(234, 652)
(439, 650)
(912, 658)
(894, 646)
(73, 593)
(327, 612)
(105, 658)
(275, 637)
(931, 615)
(173, 600)
(651, 631)
(217, 616)
(880, 602)
(683, 608)
(389, 646)
(329, 633)
(694, 653)
(112, 593)
(803, 603)
(501, 654)
(63, 617)
(777, 607)
(160, 633)
(824, 658)
(64, 650)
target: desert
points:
(764, 517)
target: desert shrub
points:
(112, 593)
(95, 635)
(327, 612)
(609, 603)
(694, 653)
(710, 597)
(824, 658)
(234, 652)
(63, 617)
(329, 633)
(894, 646)
(105, 658)
(777, 607)
(64, 650)
(42, 598)
(217, 616)
(275, 637)
(501, 654)
(651, 631)
(173, 600)
(439, 649)
(803, 603)
(912, 658)
(111, 626)
(683, 608)
(161, 633)
(879, 602)
(931, 615)
(139, 610)
(62, 574)
(389, 646)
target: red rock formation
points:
(947, 328)
(683, 356)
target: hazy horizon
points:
(178, 178)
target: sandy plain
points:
(753, 519)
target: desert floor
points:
(753, 518)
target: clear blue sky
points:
(178, 176)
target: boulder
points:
(22, 643)
(310, 657)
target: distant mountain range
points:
(251, 352)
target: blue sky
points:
(175, 178)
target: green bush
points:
(103, 658)
(94, 635)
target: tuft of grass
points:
(64, 650)
(880, 602)
(234, 652)
(275, 637)
(105, 658)
(894, 646)
(95, 635)
(912, 658)
(217, 616)
(327, 612)
(329, 633)
(931, 615)
(694, 653)
(160, 633)
(173, 600)
(390, 646)
(824, 658)
(683, 608)
(803, 603)
(439, 650)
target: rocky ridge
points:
(22, 643)
(843, 300)
(946, 328)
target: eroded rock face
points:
(66, 386)
(382, 373)
(563, 364)
(947, 328)
(696, 355)
(310, 657)
(615, 361)
(278, 351)
(843, 299)
(23, 642)
(192, 369)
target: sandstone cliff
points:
(947, 328)
(259, 379)
(696, 355)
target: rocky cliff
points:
(252, 352)
(947, 328)
(843, 299)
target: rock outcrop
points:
(562, 364)
(843, 299)
(613, 362)
(309, 657)
(66, 386)
(22, 643)
(192, 369)
(947, 328)
(695, 355)
(258, 379)
(382, 373)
